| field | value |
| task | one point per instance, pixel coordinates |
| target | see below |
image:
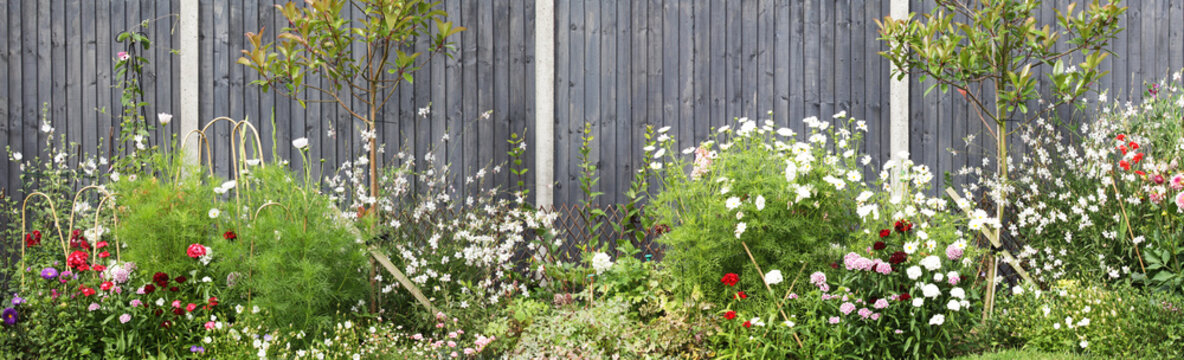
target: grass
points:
(1022, 355)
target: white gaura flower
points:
(804, 192)
(740, 228)
(164, 118)
(759, 202)
(732, 203)
(1084, 344)
(937, 319)
(913, 272)
(791, 171)
(301, 143)
(774, 277)
(864, 196)
(214, 213)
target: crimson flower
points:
(106, 285)
(160, 279)
(181, 279)
(100, 268)
(229, 235)
(148, 289)
(898, 257)
(33, 239)
(903, 226)
(741, 295)
(748, 324)
(1125, 165)
(904, 297)
(196, 251)
(1121, 137)
(86, 291)
(834, 265)
(173, 289)
(1134, 145)
(166, 324)
(77, 260)
(879, 245)
(178, 312)
(885, 232)
(730, 279)
(190, 307)
(104, 254)
(100, 245)
(213, 301)
(730, 315)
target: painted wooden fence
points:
(620, 65)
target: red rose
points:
(148, 289)
(879, 245)
(730, 279)
(100, 268)
(730, 315)
(190, 307)
(77, 260)
(904, 297)
(229, 235)
(741, 295)
(106, 285)
(181, 279)
(885, 232)
(196, 251)
(748, 324)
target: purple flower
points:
(49, 273)
(197, 349)
(17, 300)
(10, 316)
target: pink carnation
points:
(865, 313)
(953, 252)
(954, 280)
(880, 304)
(834, 320)
(817, 278)
(1180, 200)
(876, 316)
(847, 308)
(1178, 182)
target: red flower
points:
(84, 267)
(33, 239)
(213, 301)
(148, 289)
(178, 311)
(834, 265)
(903, 226)
(1125, 165)
(229, 235)
(879, 245)
(158, 312)
(730, 279)
(87, 291)
(173, 289)
(1122, 148)
(190, 307)
(730, 315)
(100, 268)
(196, 251)
(898, 257)
(1121, 137)
(77, 260)
(748, 324)
(1134, 145)
(166, 324)
(1140, 172)
(181, 279)
(106, 285)
(741, 295)
(885, 232)
(1137, 158)
(100, 245)
(160, 279)
(104, 254)
(904, 297)
(1158, 179)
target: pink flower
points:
(440, 325)
(883, 267)
(123, 319)
(953, 280)
(177, 304)
(417, 337)
(123, 56)
(196, 251)
(953, 252)
(865, 313)
(818, 278)
(793, 296)
(453, 354)
(876, 316)
(880, 304)
(1156, 197)
(451, 344)
(834, 320)
(136, 303)
(452, 335)
(1180, 200)
(847, 308)
(470, 351)
(1178, 182)
(93, 307)
(210, 325)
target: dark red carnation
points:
(213, 301)
(178, 311)
(173, 289)
(100, 268)
(730, 279)
(158, 312)
(166, 324)
(181, 279)
(904, 297)
(834, 265)
(229, 235)
(730, 315)
(148, 289)
(748, 324)
(898, 257)
(879, 245)
(160, 279)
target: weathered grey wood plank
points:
(765, 46)
(719, 65)
(44, 94)
(813, 70)
(828, 62)
(9, 131)
(1175, 42)
(485, 81)
(797, 68)
(468, 56)
(748, 91)
(683, 127)
(734, 76)
(90, 121)
(702, 63)
(624, 71)
(669, 60)
(607, 119)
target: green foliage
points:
(517, 168)
(1076, 318)
(159, 219)
(742, 199)
(605, 329)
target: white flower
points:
(938, 277)
(958, 293)
(937, 319)
(214, 213)
(757, 321)
(791, 171)
(914, 272)
(785, 132)
(601, 262)
(910, 247)
(788, 323)
(953, 305)
(918, 302)
(659, 153)
(931, 262)
(164, 118)
(774, 277)
(16, 156)
(759, 202)
(1084, 344)
(930, 290)
(663, 130)
(1017, 290)
(732, 203)
(656, 165)
(740, 229)
(301, 143)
